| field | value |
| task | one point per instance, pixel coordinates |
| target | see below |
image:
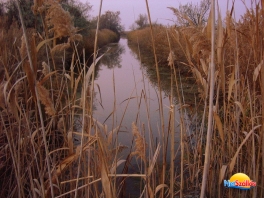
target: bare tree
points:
(192, 14)
(142, 21)
(133, 27)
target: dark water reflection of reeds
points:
(119, 76)
(186, 82)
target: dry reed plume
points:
(44, 154)
(237, 129)
(140, 143)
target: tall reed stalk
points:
(172, 117)
(90, 108)
(262, 94)
(211, 103)
(32, 71)
(160, 101)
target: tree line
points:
(189, 14)
(79, 11)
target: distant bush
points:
(30, 20)
(141, 22)
(2, 9)
(80, 13)
(109, 20)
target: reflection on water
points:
(127, 94)
(113, 56)
(186, 85)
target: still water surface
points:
(120, 76)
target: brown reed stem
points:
(172, 112)
(160, 100)
(37, 98)
(262, 129)
(211, 97)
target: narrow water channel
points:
(121, 82)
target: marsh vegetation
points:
(77, 120)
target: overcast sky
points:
(130, 9)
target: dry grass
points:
(105, 36)
(142, 38)
(237, 100)
(26, 168)
(40, 111)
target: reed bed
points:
(236, 135)
(43, 155)
(105, 36)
